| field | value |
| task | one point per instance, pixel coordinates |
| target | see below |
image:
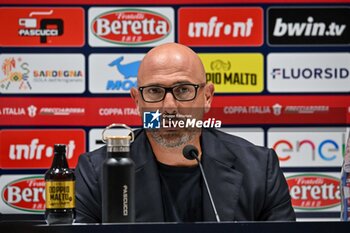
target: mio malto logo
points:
(23, 194)
(130, 26)
(308, 26)
(156, 120)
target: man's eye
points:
(182, 90)
(154, 90)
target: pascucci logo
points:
(128, 70)
(155, 120)
(29, 26)
(131, 26)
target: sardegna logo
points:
(24, 194)
(314, 191)
(130, 26)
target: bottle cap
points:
(60, 148)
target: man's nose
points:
(169, 102)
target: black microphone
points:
(190, 152)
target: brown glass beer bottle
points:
(60, 189)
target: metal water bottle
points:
(118, 179)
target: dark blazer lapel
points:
(148, 199)
(223, 179)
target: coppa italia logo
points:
(308, 26)
(32, 149)
(314, 191)
(221, 26)
(42, 26)
(129, 26)
(25, 194)
(231, 73)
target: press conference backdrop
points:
(281, 71)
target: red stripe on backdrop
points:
(232, 110)
(157, 2)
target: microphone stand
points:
(207, 186)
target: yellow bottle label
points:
(60, 194)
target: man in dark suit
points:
(246, 181)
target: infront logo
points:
(220, 26)
(30, 149)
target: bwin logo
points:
(151, 120)
(128, 71)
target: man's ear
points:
(134, 93)
(209, 94)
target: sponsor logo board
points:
(311, 192)
(232, 73)
(42, 73)
(232, 110)
(115, 27)
(308, 72)
(22, 194)
(299, 109)
(113, 73)
(253, 135)
(33, 149)
(308, 26)
(220, 26)
(43, 27)
(308, 147)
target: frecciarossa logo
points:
(314, 191)
(26, 194)
(131, 26)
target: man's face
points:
(168, 69)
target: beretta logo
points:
(130, 26)
(308, 26)
(27, 194)
(314, 191)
